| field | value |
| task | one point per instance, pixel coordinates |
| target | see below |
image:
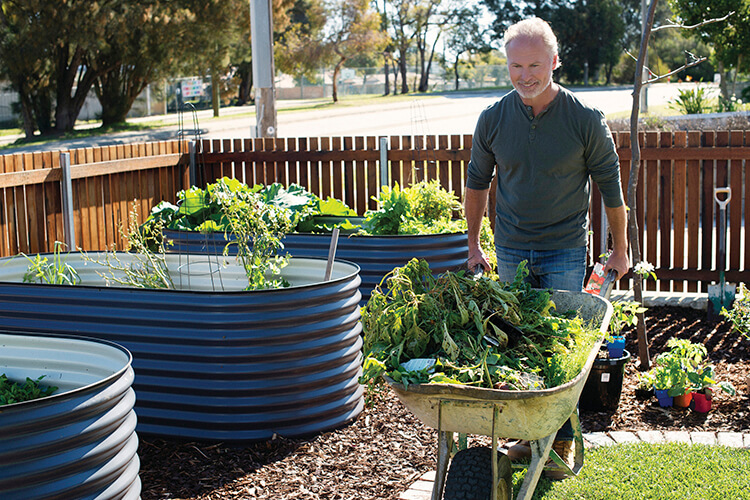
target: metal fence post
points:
(384, 161)
(66, 187)
(193, 173)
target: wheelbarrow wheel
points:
(470, 476)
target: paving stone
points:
(428, 476)
(677, 436)
(746, 440)
(650, 436)
(699, 437)
(412, 494)
(623, 437)
(594, 439)
(731, 439)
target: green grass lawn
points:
(671, 471)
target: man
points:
(544, 145)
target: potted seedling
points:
(685, 357)
(703, 381)
(663, 376)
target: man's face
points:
(530, 64)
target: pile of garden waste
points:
(453, 328)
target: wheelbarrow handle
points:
(609, 283)
(722, 190)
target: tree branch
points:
(694, 26)
(694, 62)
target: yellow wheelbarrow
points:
(535, 416)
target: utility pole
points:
(261, 32)
(645, 75)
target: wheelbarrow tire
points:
(470, 476)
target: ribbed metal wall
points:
(214, 362)
(80, 442)
(375, 255)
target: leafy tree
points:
(730, 39)
(59, 41)
(465, 36)
(590, 34)
(142, 42)
(301, 44)
(354, 29)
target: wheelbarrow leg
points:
(539, 453)
(445, 443)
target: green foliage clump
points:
(462, 323)
(423, 208)
(739, 313)
(691, 101)
(13, 392)
(53, 272)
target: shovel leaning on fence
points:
(722, 294)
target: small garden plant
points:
(739, 313)
(13, 392)
(53, 272)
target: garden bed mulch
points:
(386, 449)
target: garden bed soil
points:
(386, 448)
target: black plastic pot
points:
(604, 385)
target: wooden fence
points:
(676, 210)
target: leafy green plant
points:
(729, 105)
(14, 392)
(423, 208)
(683, 368)
(739, 313)
(258, 228)
(691, 101)
(624, 314)
(54, 272)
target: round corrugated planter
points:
(215, 362)
(81, 441)
(375, 255)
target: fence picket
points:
(679, 210)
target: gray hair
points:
(533, 27)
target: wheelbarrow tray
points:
(535, 416)
(530, 414)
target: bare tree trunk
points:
(386, 68)
(635, 166)
(336, 70)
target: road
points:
(452, 113)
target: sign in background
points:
(191, 88)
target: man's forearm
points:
(475, 205)
(618, 226)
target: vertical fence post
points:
(193, 172)
(383, 161)
(66, 186)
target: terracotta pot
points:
(684, 400)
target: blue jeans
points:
(557, 269)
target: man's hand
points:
(477, 257)
(620, 262)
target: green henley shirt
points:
(544, 164)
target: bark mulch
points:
(386, 449)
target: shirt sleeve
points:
(481, 168)
(602, 160)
